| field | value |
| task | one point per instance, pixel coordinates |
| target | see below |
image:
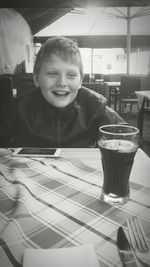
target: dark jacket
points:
(33, 122)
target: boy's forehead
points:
(54, 58)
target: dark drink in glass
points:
(118, 149)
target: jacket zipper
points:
(59, 132)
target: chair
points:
(98, 76)
(116, 77)
(145, 107)
(23, 82)
(100, 88)
(87, 84)
(86, 78)
(6, 95)
(129, 84)
(114, 93)
(145, 86)
(144, 110)
(145, 83)
(113, 90)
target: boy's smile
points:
(59, 80)
(61, 93)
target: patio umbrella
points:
(129, 16)
(100, 23)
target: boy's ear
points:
(36, 80)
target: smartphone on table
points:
(37, 152)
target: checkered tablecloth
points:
(55, 203)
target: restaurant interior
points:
(52, 209)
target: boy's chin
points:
(61, 104)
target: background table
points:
(54, 203)
(142, 97)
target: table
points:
(54, 203)
(113, 90)
(113, 84)
(99, 81)
(142, 97)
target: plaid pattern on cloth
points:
(54, 203)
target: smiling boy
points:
(59, 81)
(60, 112)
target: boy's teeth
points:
(61, 93)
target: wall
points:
(16, 43)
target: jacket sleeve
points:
(7, 130)
(5, 133)
(112, 117)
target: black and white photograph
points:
(75, 133)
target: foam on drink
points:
(122, 146)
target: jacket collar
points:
(62, 113)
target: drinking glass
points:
(118, 145)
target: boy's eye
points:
(52, 73)
(72, 75)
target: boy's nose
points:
(62, 81)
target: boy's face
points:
(59, 81)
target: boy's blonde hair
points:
(64, 47)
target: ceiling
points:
(71, 3)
